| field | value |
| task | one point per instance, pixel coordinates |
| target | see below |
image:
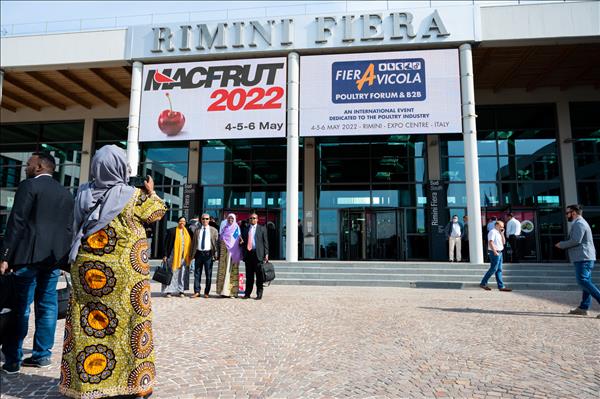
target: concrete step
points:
(522, 276)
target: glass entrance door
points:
(353, 228)
(372, 234)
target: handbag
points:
(163, 274)
(64, 295)
(268, 272)
(7, 288)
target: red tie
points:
(250, 239)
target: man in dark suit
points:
(38, 237)
(256, 250)
(205, 250)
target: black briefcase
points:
(163, 274)
(268, 272)
(64, 295)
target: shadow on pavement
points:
(501, 312)
(23, 385)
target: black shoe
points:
(11, 368)
(246, 297)
(259, 296)
(39, 363)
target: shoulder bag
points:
(163, 274)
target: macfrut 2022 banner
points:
(214, 100)
(404, 92)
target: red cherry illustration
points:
(169, 122)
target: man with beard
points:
(581, 250)
(38, 237)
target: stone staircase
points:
(522, 276)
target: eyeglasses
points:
(205, 219)
(253, 218)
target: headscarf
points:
(230, 234)
(109, 178)
(177, 255)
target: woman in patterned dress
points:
(229, 258)
(108, 348)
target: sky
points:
(31, 16)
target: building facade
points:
(527, 139)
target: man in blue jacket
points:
(580, 247)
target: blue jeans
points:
(37, 285)
(583, 274)
(495, 267)
(202, 261)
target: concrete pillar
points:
(194, 163)
(433, 157)
(567, 158)
(133, 145)
(293, 157)
(471, 157)
(1, 83)
(310, 202)
(87, 149)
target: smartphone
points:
(137, 181)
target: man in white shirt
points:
(496, 243)
(513, 231)
(454, 232)
(205, 250)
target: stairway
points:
(522, 276)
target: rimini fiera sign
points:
(391, 27)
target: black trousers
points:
(202, 260)
(513, 240)
(252, 268)
(464, 249)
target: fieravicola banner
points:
(213, 100)
(404, 92)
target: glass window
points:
(585, 127)
(62, 132)
(20, 133)
(328, 246)
(344, 170)
(456, 194)
(269, 172)
(488, 169)
(328, 222)
(338, 197)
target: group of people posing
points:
(100, 239)
(457, 235)
(200, 245)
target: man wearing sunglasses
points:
(256, 250)
(205, 250)
(580, 247)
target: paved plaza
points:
(338, 342)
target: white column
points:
(567, 158)
(133, 146)
(471, 164)
(293, 156)
(87, 148)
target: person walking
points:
(256, 250)
(178, 256)
(465, 239)
(496, 243)
(454, 232)
(38, 236)
(513, 231)
(205, 250)
(108, 345)
(230, 254)
(581, 251)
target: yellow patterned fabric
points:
(228, 274)
(177, 248)
(108, 348)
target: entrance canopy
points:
(496, 68)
